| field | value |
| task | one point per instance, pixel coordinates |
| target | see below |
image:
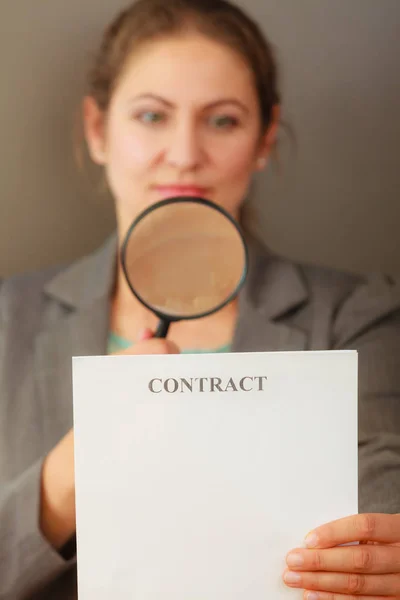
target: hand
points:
(370, 570)
(57, 502)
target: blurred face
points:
(183, 120)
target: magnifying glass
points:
(184, 258)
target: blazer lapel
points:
(369, 303)
(83, 333)
(274, 288)
(79, 327)
(256, 333)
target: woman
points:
(183, 99)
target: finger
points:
(310, 595)
(356, 584)
(145, 334)
(350, 559)
(357, 528)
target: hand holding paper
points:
(371, 569)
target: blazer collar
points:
(88, 279)
(274, 285)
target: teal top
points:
(117, 343)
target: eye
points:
(150, 117)
(224, 122)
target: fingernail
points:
(294, 559)
(291, 577)
(312, 596)
(145, 334)
(311, 540)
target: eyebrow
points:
(214, 104)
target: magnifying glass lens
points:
(184, 258)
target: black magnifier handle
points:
(162, 328)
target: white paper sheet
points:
(199, 495)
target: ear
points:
(94, 128)
(268, 139)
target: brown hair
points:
(220, 20)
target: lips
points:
(170, 191)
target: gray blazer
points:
(47, 317)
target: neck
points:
(129, 317)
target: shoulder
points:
(20, 288)
(22, 299)
(356, 301)
(344, 303)
(34, 301)
(274, 270)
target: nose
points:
(184, 146)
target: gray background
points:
(334, 202)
